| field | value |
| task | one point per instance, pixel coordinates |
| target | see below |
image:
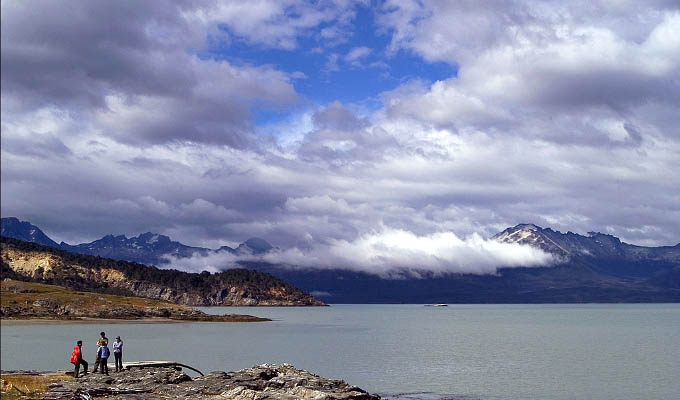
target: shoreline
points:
(50, 321)
(91, 320)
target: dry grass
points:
(22, 293)
(37, 300)
(17, 386)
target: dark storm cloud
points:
(106, 62)
(54, 54)
(35, 145)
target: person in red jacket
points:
(77, 359)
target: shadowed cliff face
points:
(234, 287)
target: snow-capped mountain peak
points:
(534, 236)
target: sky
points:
(342, 126)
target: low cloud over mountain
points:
(395, 265)
(389, 253)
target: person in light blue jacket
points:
(103, 355)
(118, 353)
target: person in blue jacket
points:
(103, 355)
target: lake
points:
(594, 351)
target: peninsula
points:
(36, 301)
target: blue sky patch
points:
(355, 71)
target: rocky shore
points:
(266, 381)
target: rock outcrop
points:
(267, 381)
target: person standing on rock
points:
(103, 340)
(118, 353)
(103, 355)
(77, 359)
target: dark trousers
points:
(119, 361)
(104, 365)
(77, 368)
(96, 364)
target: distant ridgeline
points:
(38, 263)
(593, 268)
(148, 248)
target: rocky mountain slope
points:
(24, 230)
(571, 245)
(147, 248)
(29, 261)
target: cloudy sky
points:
(318, 125)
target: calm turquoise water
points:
(410, 351)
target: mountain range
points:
(595, 245)
(592, 268)
(147, 248)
